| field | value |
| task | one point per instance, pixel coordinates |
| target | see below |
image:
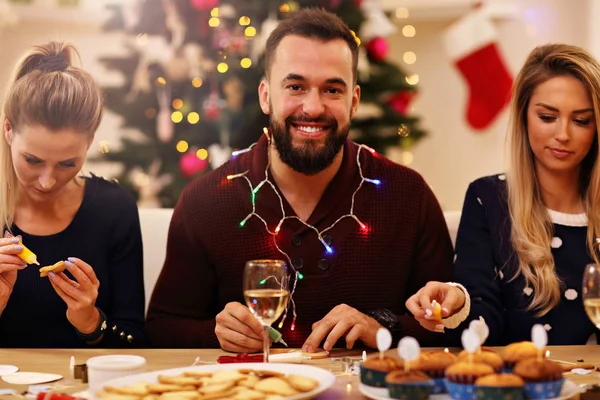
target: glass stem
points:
(266, 343)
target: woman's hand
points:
(79, 294)
(10, 264)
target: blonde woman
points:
(50, 115)
(525, 237)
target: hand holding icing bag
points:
(26, 255)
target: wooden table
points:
(346, 386)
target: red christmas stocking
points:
(472, 46)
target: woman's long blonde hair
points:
(47, 88)
(532, 228)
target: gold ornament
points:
(403, 130)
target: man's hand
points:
(238, 330)
(343, 320)
(451, 298)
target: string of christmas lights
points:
(254, 191)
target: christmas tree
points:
(192, 72)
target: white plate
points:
(569, 390)
(325, 378)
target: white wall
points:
(453, 154)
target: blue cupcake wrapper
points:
(543, 390)
(459, 391)
(371, 377)
(498, 393)
(411, 390)
(439, 386)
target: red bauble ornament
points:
(190, 164)
(401, 101)
(377, 48)
(333, 4)
(358, 3)
(204, 5)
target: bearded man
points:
(360, 234)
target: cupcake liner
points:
(462, 379)
(434, 373)
(543, 390)
(372, 377)
(411, 390)
(498, 393)
(459, 391)
(439, 386)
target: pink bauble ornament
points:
(377, 48)
(204, 5)
(190, 164)
(401, 101)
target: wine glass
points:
(591, 293)
(266, 292)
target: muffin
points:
(374, 370)
(486, 357)
(516, 352)
(461, 377)
(543, 378)
(483, 349)
(499, 386)
(434, 363)
(412, 385)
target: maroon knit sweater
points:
(407, 245)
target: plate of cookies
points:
(222, 381)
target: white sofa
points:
(155, 227)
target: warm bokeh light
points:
(193, 117)
(409, 31)
(222, 67)
(177, 117)
(202, 154)
(409, 57)
(177, 104)
(245, 62)
(412, 79)
(182, 146)
(402, 12)
(196, 82)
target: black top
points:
(106, 234)
(486, 263)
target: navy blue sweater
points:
(105, 233)
(486, 262)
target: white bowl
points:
(103, 368)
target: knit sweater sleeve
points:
(475, 266)
(127, 282)
(432, 261)
(183, 305)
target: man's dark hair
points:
(312, 23)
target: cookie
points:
(179, 380)
(138, 389)
(275, 386)
(56, 268)
(317, 354)
(302, 383)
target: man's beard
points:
(311, 158)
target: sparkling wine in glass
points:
(591, 293)
(266, 284)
